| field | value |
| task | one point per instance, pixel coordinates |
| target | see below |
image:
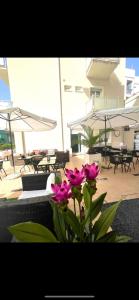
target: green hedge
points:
(5, 146)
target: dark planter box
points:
(37, 209)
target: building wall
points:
(34, 84)
(129, 139)
(73, 72)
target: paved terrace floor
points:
(118, 186)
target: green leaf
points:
(105, 221)
(73, 221)
(95, 208)
(86, 196)
(58, 180)
(32, 232)
(89, 139)
(109, 237)
(122, 239)
(112, 237)
(59, 224)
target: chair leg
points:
(23, 167)
(4, 172)
(137, 160)
(109, 165)
(28, 167)
(122, 167)
(133, 165)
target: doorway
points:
(76, 142)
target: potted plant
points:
(86, 222)
(90, 140)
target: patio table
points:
(46, 164)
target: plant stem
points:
(80, 210)
(74, 207)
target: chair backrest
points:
(36, 210)
(62, 156)
(32, 182)
(35, 161)
(115, 159)
(124, 151)
(135, 153)
(36, 158)
(128, 159)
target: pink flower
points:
(91, 171)
(62, 191)
(75, 177)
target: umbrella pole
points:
(105, 138)
(105, 132)
(10, 132)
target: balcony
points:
(96, 103)
(101, 67)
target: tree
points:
(89, 139)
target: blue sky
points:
(4, 91)
(133, 62)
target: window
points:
(129, 86)
(79, 89)
(96, 92)
(76, 142)
(68, 88)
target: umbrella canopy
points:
(22, 120)
(111, 118)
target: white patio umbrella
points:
(20, 120)
(111, 118)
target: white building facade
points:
(65, 89)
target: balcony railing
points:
(96, 103)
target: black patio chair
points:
(126, 221)
(116, 161)
(127, 161)
(61, 159)
(35, 161)
(27, 162)
(32, 182)
(136, 155)
(1, 168)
